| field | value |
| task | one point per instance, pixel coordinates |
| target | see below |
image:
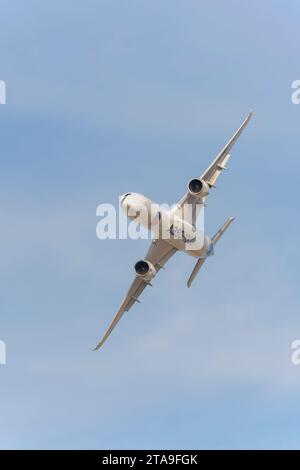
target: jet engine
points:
(198, 187)
(145, 269)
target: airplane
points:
(174, 230)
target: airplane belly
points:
(184, 237)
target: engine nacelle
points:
(145, 269)
(198, 187)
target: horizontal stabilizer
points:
(214, 240)
(196, 269)
(221, 231)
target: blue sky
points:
(107, 97)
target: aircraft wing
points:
(212, 173)
(158, 254)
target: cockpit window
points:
(124, 197)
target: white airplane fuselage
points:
(166, 224)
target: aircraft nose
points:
(122, 199)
